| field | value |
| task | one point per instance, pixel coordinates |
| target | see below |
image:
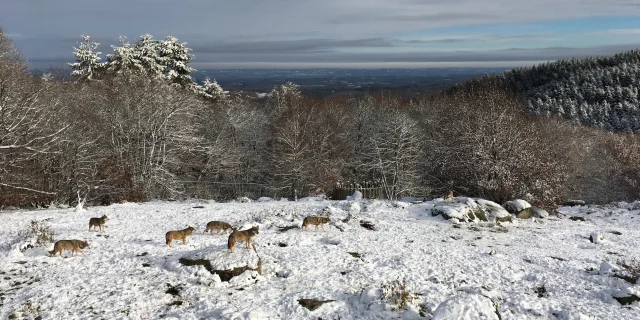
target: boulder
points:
(495, 210)
(466, 306)
(524, 214)
(572, 203)
(538, 212)
(451, 210)
(515, 206)
(596, 237)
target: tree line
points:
(600, 92)
(138, 127)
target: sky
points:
(333, 33)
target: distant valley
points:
(326, 82)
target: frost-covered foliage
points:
(175, 57)
(87, 59)
(123, 59)
(485, 146)
(167, 59)
(283, 94)
(212, 90)
(145, 50)
(37, 234)
(600, 92)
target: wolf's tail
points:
(231, 241)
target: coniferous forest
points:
(133, 125)
(600, 92)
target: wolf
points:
(448, 196)
(179, 235)
(98, 222)
(244, 235)
(217, 225)
(73, 245)
(315, 221)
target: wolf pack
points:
(236, 235)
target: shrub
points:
(397, 295)
(38, 234)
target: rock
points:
(627, 299)
(570, 315)
(516, 206)
(572, 203)
(524, 214)
(466, 306)
(495, 210)
(480, 214)
(596, 237)
(312, 304)
(576, 218)
(225, 275)
(607, 268)
(459, 211)
(243, 200)
(538, 212)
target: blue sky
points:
(334, 33)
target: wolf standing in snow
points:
(217, 225)
(179, 235)
(98, 222)
(315, 221)
(244, 235)
(73, 245)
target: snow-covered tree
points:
(175, 57)
(87, 59)
(9, 53)
(212, 90)
(283, 94)
(123, 58)
(145, 50)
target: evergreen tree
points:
(146, 51)
(87, 63)
(123, 59)
(212, 90)
(175, 57)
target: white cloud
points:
(302, 25)
(623, 31)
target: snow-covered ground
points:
(527, 269)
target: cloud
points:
(315, 29)
(289, 46)
(622, 31)
(408, 58)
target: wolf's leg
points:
(322, 226)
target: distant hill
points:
(597, 91)
(339, 82)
